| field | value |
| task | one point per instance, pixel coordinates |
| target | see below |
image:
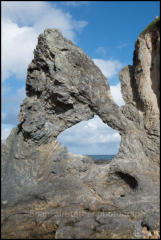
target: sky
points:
(105, 30)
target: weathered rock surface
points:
(48, 192)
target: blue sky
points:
(105, 30)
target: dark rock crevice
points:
(130, 180)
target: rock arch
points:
(64, 87)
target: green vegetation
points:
(154, 24)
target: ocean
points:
(102, 159)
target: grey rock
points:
(51, 193)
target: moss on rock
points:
(154, 24)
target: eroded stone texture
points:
(48, 192)
(63, 87)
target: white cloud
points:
(114, 137)
(108, 67)
(22, 22)
(15, 98)
(116, 94)
(55, 18)
(3, 116)
(5, 90)
(5, 133)
(24, 13)
(102, 138)
(6, 129)
(94, 124)
(17, 49)
(90, 133)
(11, 106)
(30, 13)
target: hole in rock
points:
(122, 195)
(92, 137)
(130, 180)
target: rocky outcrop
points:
(48, 192)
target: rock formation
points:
(48, 192)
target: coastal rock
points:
(48, 192)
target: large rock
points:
(48, 192)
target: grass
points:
(154, 24)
